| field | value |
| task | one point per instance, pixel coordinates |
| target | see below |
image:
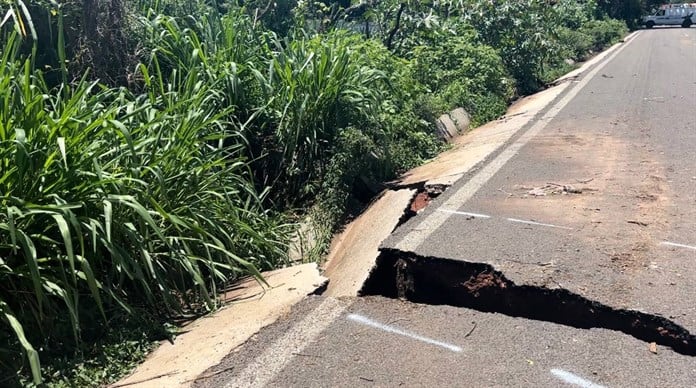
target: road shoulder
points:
(206, 341)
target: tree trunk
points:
(390, 39)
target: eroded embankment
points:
(432, 280)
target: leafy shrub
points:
(573, 14)
(464, 73)
(576, 44)
(403, 129)
(604, 33)
(523, 33)
(592, 36)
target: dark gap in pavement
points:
(437, 281)
(424, 195)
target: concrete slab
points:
(353, 252)
(446, 128)
(461, 119)
(208, 340)
(450, 125)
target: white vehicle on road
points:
(672, 15)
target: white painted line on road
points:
(266, 367)
(574, 379)
(391, 329)
(671, 244)
(537, 223)
(475, 215)
(415, 238)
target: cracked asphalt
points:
(627, 142)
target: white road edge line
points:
(391, 329)
(671, 244)
(266, 367)
(537, 223)
(574, 379)
(414, 239)
(475, 215)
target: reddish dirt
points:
(482, 281)
(420, 201)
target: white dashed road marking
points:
(475, 215)
(391, 329)
(537, 223)
(671, 244)
(574, 379)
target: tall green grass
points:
(316, 89)
(292, 98)
(119, 200)
(111, 200)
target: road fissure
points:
(479, 286)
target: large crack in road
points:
(479, 286)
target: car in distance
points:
(671, 15)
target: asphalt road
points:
(597, 196)
(475, 349)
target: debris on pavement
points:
(425, 196)
(472, 330)
(537, 192)
(555, 189)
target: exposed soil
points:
(419, 203)
(423, 197)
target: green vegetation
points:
(153, 152)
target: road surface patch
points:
(574, 379)
(394, 330)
